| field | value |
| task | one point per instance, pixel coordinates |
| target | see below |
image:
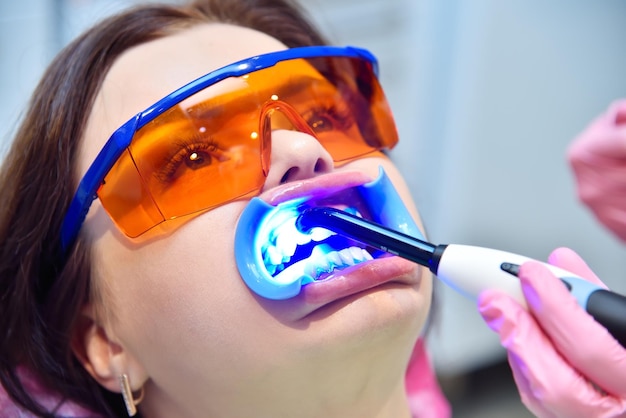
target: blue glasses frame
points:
(122, 137)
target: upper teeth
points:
(285, 238)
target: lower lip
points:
(359, 278)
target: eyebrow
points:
(243, 102)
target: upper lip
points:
(323, 185)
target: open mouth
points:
(275, 259)
(312, 256)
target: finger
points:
(618, 111)
(601, 138)
(583, 342)
(524, 388)
(567, 259)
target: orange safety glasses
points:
(209, 142)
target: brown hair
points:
(42, 291)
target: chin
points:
(386, 316)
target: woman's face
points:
(175, 305)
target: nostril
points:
(320, 166)
(288, 174)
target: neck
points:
(308, 404)
(353, 388)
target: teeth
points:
(320, 251)
(322, 260)
(273, 256)
(271, 268)
(299, 237)
(356, 253)
(346, 256)
(298, 269)
(284, 239)
(287, 238)
(319, 234)
(334, 258)
(286, 225)
(286, 243)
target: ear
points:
(102, 356)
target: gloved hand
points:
(598, 159)
(564, 363)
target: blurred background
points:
(487, 95)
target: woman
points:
(164, 317)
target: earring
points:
(127, 394)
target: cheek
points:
(182, 293)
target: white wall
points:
(31, 33)
(26, 45)
(487, 95)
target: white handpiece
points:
(470, 270)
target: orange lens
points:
(208, 150)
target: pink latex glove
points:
(598, 159)
(426, 400)
(564, 363)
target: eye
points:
(327, 118)
(198, 159)
(190, 157)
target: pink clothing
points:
(46, 398)
(426, 400)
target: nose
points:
(296, 153)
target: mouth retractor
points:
(275, 259)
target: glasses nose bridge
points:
(292, 115)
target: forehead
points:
(148, 72)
